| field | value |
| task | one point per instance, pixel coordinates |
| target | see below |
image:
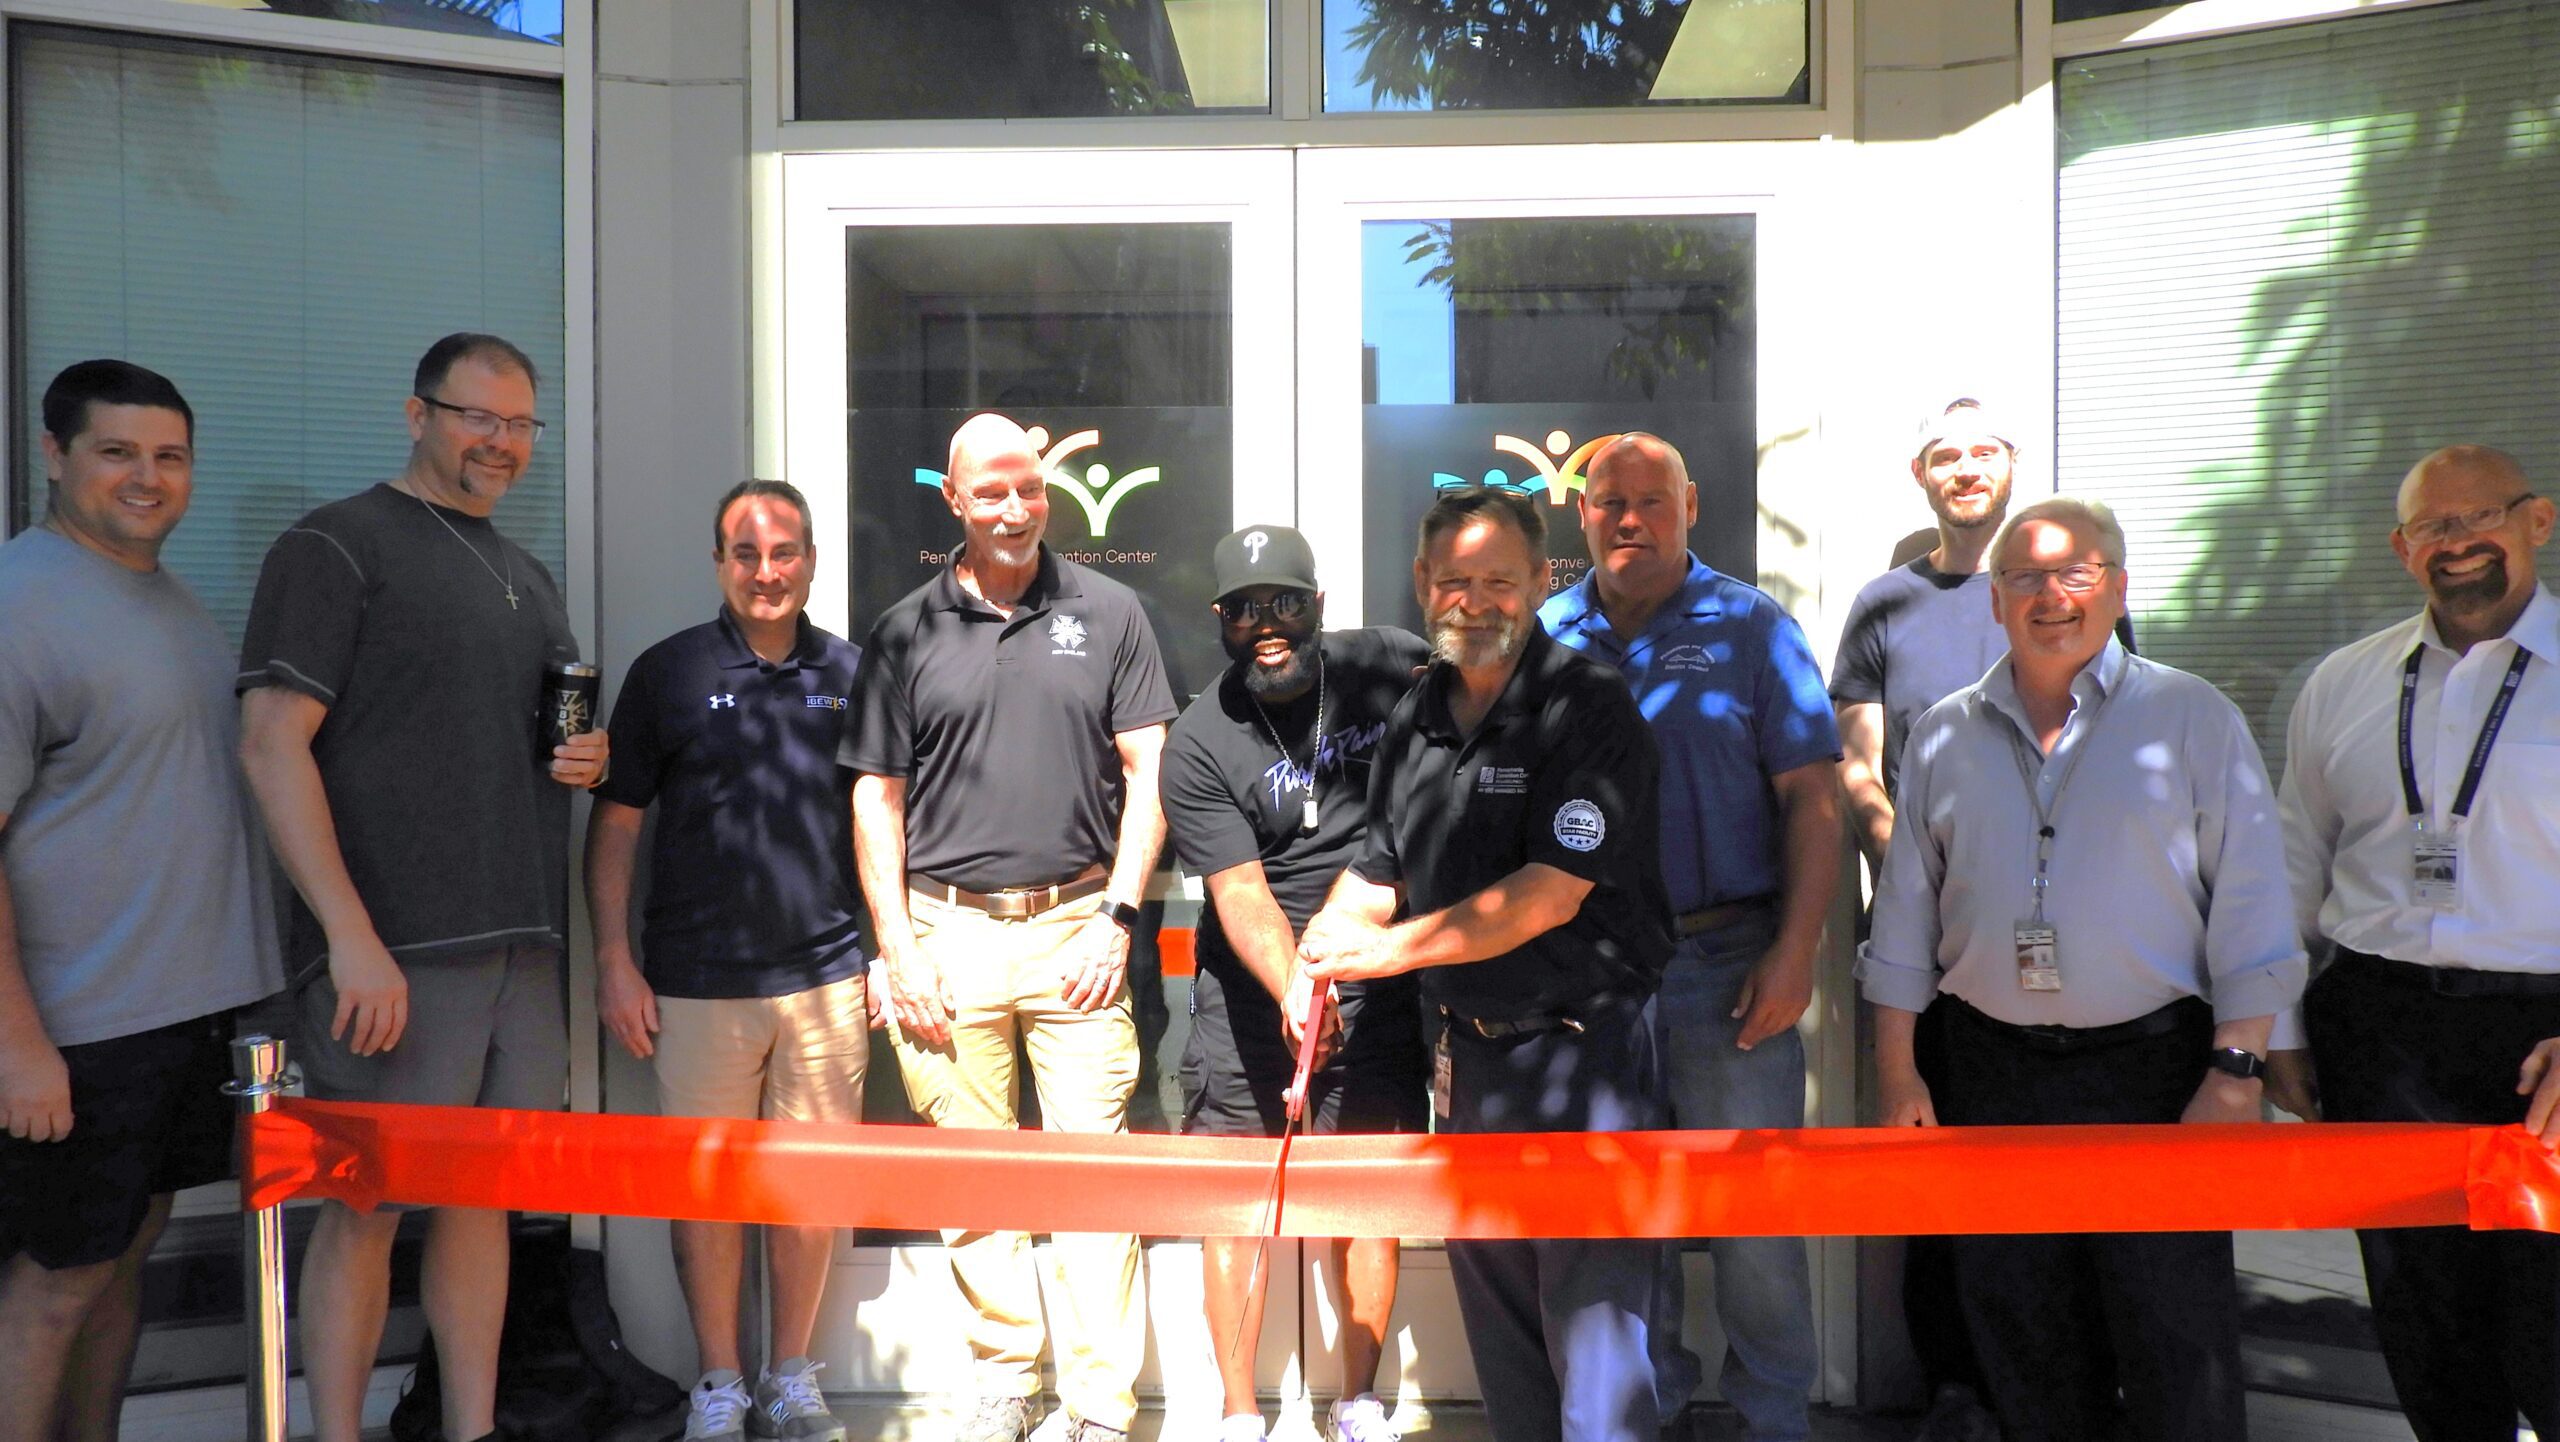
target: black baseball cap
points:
(1263, 556)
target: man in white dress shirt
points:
(2422, 830)
(2086, 862)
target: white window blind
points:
(2290, 265)
(282, 236)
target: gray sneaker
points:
(999, 1419)
(788, 1405)
(716, 1410)
(1080, 1430)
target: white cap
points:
(1962, 416)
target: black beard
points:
(1279, 685)
(2478, 593)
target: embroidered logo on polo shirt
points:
(1691, 658)
(1580, 826)
(823, 703)
(724, 701)
(1502, 780)
(1066, 636)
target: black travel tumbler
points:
(568, 705)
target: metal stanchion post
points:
(258, 1078)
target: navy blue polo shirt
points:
(1562, 771)
(751, 872)
(1003, 724)
(1735, 697)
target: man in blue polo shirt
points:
(749, 990)
(1750, 855)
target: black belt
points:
(1721, 915)
(1500, 1029)
(1013, 903)
(2446, 980)
(2150, 1024)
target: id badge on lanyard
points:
(2435, 856)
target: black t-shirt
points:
(751, 869)
(1230, 797)
(451, 828)
(1915, 636)
(1562, 771)
(1002, 726)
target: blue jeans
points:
(1764, 1286)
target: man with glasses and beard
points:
(1514, 823)
(389, 679)
(1266, 780)
(2086, 875)
(2421, 812)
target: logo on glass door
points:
(1093, 490)
(1556, 470)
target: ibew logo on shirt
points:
(823, 703)
(1691, 658)
(1066, 636)
(724, 701)
(1502, 781)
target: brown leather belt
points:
(1720, 916)
(1013, 903)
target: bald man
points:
(2421, 807)
(1004, 731)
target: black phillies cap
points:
(1263, 556)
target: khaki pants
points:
(1004, 982)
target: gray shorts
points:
(486, 1029)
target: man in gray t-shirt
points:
(133, 908)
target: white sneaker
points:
(1240, 1427)
(1361, 1419)
(716, 1411)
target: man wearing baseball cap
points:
(1264, 783)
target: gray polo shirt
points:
(132, 852)
(2168, 875)
(1002, 725)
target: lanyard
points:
(2488, 737)
(2027, 769)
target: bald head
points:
(1639, 449)
(986, 437)
(2482, 466)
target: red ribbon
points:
(1826, 1182)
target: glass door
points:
(1493, 316)
(1133, 310)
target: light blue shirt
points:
(1734, 696)
(2168, 871)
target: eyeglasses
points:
(2435, 530)
(2078, 579)
(485, 424)
(1284, 606)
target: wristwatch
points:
(1120, 914)
(2238, 1061)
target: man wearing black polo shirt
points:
(1514, 814)
(1007, 728)
(1265, 782)
(750, 995)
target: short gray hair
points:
(2080, 512)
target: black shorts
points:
(147, 1116)
(1237, 1064)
